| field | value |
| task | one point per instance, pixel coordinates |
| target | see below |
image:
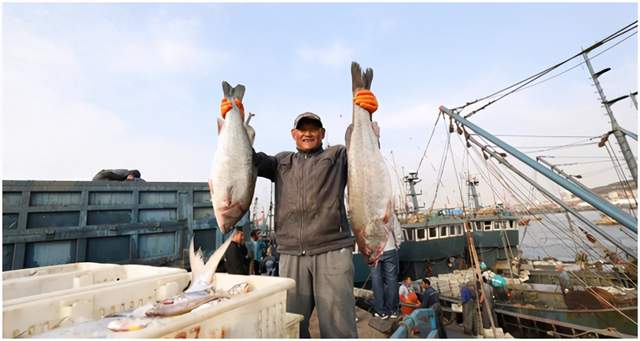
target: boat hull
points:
(595, 318)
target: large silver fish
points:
(200, 291)
(370, 195)
(233, 176)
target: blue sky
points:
(87, 87)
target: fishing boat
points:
(435, 243)
(603, 296)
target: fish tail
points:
(236, 92)
(214, 260)
(359, 79)
(195, 260)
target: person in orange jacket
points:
(409, 300)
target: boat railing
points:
(423, 319)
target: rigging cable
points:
(621, 176)
(590, 250)
(538, 75)
(428, 142)
(538, 136)
(560, 224)
(575, 66)
(497, 173)
(455, 170)
(498, 176)
(440, 172)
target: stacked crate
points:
(448, 285)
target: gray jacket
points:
(310, 215)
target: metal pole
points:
(557, 200)
(622, 141)
(629, 133)
(621, 217)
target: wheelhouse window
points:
(459, 230)
(452, 230)
(503, 225)
(408, 234)
(512, 224)
(422, 235)
(443, 231)
(487, 225)
(433, 232)
(478, 226)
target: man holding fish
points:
(313, 234)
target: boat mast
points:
(254, 217)
(411, 180)
(609, 209)
(270, 227)
(474, 202)
(615, 127)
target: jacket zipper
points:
(302, 251)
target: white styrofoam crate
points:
(49, 279)
(292, 322)
(48, 270)
(260, 313)
(27, 317)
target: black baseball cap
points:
(307, 116)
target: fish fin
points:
(359, 79)
(251, 133)
(220, 125)
(195, 261)
(347, 135)
(212, 264)
(249, 118)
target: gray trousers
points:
(323, 281)
(470, 318)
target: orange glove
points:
(367, 100)
(225, 106)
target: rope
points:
(594, 293)
(440, 171)
(498, 175)
(429, 142)
(626, 185)
(521, 84)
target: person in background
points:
(134, 175)
(469, 308)
(384, 276)
(408, 297)
(488, 296)
(431, 299)
(563, 277)
(118, 175)
(259, 247)
(236, 259)
(251, 249)
(269, 263)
